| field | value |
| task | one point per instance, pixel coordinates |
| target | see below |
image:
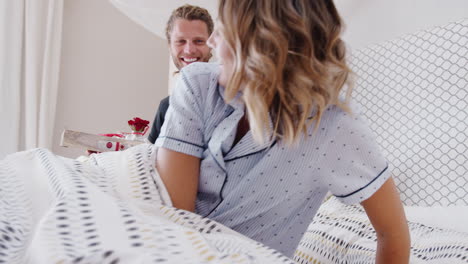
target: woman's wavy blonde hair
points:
(289, 62)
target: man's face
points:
(188, 42)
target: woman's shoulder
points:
(336, 119)
(201, 71)
(198, 85)
(199, 79)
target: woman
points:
(258, 141)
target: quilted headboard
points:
(414, 92)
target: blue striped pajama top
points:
(269, 192)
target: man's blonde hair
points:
(289, 62)
(189, 12)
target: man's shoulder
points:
(164, 102)
(163, 106)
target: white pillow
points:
(450, 217)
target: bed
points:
(113, 208)
(413, 90)
(110, 208)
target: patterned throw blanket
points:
(111, 208)
(342, 233)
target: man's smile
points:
(189, 59)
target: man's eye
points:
(200, 41)
(180, 42)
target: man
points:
(187, 31)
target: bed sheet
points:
(343, 234)
(109, 209)
(445, 217)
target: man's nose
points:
(189, 48)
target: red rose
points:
(137, 124)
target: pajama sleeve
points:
(357, 167)
(182, 130)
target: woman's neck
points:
(242, 129)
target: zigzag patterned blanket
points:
(342, 233)
(109, 209)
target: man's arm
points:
(180, 173)
(386, 214)
(158, 120)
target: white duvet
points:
(445, 217)
(114, 209)
(109, 209)
(342, 233)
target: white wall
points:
(111, 71)
(372, 21)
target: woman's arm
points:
(386, 214)
(180, 173)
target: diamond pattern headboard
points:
(414, 92)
